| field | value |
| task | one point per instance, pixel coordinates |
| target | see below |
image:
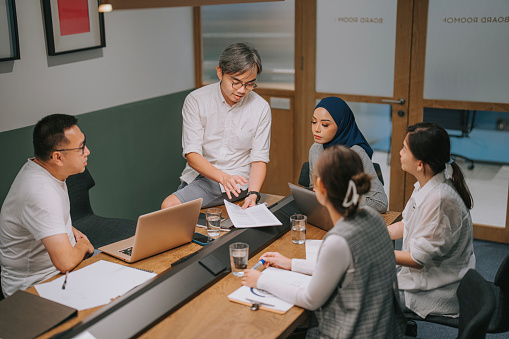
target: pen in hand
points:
(258, 264)
(65, 280)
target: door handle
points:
(400, 101)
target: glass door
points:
(459, 79)
(270, 27)
(359, 50)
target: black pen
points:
(65, 280)
(274, 204)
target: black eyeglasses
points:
(249, 86)
(82, 148)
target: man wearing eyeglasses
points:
(37, 239)
(226, 134)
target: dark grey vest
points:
(366, 306)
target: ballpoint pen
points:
(257, 304)
(65, 280)
(258, 264)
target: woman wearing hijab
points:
(333, 123)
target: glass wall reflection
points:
(269, 26)
(479, 142)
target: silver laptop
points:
(157, 232)
(308, 204)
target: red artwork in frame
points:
(73, 25)
(73, 15)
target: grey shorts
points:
(207, 189)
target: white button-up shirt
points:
(229, 137)
(438, 233)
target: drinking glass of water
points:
(239, 253)
(298, 224)
(213, 216)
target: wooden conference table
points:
(210, 314)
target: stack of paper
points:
(94, 285)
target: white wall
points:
(148, 53)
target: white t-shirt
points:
(229, 137)
(36, 207)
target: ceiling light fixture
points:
(105, 6)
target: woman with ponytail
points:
(436, 229)
(353, 288)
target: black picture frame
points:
(9, 40)
(59, 43)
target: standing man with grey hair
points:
(225, 134)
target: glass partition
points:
(479, 142)
(355, 46)
(374, 121)
(466, 50)
(269, 26)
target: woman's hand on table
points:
(250, 277)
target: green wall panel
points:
(15, 148)
(136, 155)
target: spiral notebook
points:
(94, 285)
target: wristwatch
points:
(257, 195)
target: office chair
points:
(500, 321)
(304, 174)
(378, 171)
(99, 230)
(1, 294)
(477, 304)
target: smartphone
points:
(202, 220)
(202, 239)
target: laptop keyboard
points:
(127, 251)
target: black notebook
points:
(26, 315)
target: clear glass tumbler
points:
(298, 224)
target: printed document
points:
(255, 216)
(94, 285)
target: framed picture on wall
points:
(73, 25)
(9, 43)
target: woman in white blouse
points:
(436, 228)
(353, 289)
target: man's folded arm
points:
(64, 256)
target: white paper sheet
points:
(312, 248)
(94, 285)
(256, 216)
